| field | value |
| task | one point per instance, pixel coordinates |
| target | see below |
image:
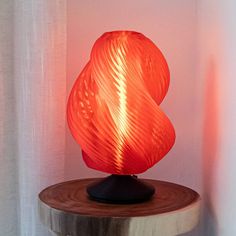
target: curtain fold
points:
(32, 109)
(8, 139)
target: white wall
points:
(217, 51)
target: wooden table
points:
(66, 210)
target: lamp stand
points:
(120, 189)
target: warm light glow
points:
(122, 121)
(113, 110)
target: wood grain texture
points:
(66, 209)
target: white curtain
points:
(32, 109)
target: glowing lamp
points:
(113, 112)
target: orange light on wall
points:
(113, 109)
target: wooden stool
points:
(66, 210)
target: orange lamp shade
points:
(113, 109)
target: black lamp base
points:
(120, 189)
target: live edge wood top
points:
(72, 197)
(69, 199)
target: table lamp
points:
(113, 112)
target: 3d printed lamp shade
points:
(114, 114)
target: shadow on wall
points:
(210, 148)
(208, 224)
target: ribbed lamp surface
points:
(113, 109)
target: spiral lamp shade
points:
(113, 109)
